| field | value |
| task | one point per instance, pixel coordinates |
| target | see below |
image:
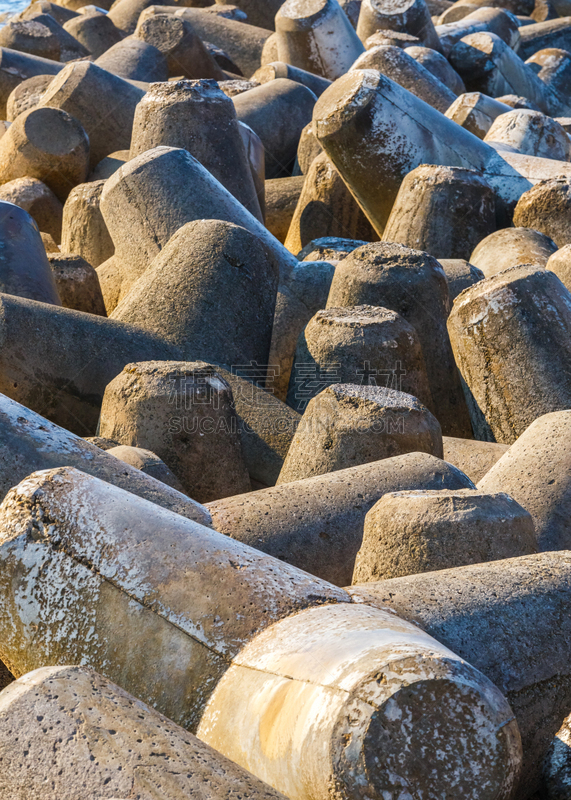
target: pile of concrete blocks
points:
(285, 400)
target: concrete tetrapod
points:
(425, 530)
(474, 458)
(346, 425)
(30, 442)
(15, 67)
(510, 247)
(413, 284)
(510, 619)
(560, 264)
(86, 736)
(536, 471)
(184, 412)
(206, 660)
(135, 60)
(26, 95)
(77, 283)
(316, 523)
(438, 66)
(510, 337)
(38, 200)
(460, 274)
(405, 16)
(95, 31)
(545, 207)
(476, 112)
(531, 132)
(84, 231)
(147, 462)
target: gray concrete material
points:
(317, 523)
(545, 207)
(329, 248)
(199, 117)
(536, 472)
(125, 14)
(61, 14)
(347, 425)
(438, 66)
(103, 103)
(182, 47)
(84, 232)
(256, 12)
(146, 754)
(555, 33)
(30, 36)
(308, 149)
(560, 263)
(412, 284)
(57, 361)
(183, 297)
(281, 198)
(30, 442)
(101, 442)
(553, 68)
(147, 462)
(531, 132)
(517, 101)
(218, 646)
(108, 165)
(358, 344)
(474, 458)
(280, 69)
(460, 274)
(487, 64)
(77, 283)
(95, 31)
(326, 207)
(135, 60)
(510, 336)
(69, 47)
(38, 200)
(476, 112)
(444, 211)
(317, 36)
(24, 267)
(257, 161)
(49, 243)
(510, 247)
(510, 620)
(183, 412)
(138, 209)
(420, 531)
(48, 144)
(26, 95)
(277, 111)
(398, 38)
(491, 20)
(402, 68)
(406, 16)
(557, 769)
(16, 67)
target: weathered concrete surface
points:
(38, 200)
(80, 735)
(77, 283)
(26, 95)
(476, 112)
(460, 275)
(474, 458)
(560, 263)
(412, 532)
(510, 336)
(511, 247)
(536, 471)
(438, 65)
(16, 67)
(30, 442)
(281, 196)
(346, 425)
(147, 462)
(545, 207)
(84, 231)
(508, 618)
(484, 20)
(135, 60)
(317, 523)
(531, 132)
(408, 16)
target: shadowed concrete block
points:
(332, 248)
(38, 200)
(48, 144)
(487, 20)
(510, 247)
(510, 619)
(77, 283)
(147, 462)
(81, 729)
(405, 16)
(531, 132)
(316, 36)
(536, 471)
(422, 531)
(15, 67)
(307, 149)
(460, 274)
(153, 619)
(26, 95)
(557, 768)
(108, 165)
(553, 67)
(30, 442)
(317, 523)
(184, 412)
(545, 207)
(510, 336)
(30, 36)
(554, 33)
(281, 197)
(135, 60)
(560, 264)
(347, 425)
(95, 31)
(474, 458)
(412, 284)
(69, 47)
(279, 69)
(84, 231)
(444, 211)
(438, 66)
(476, 112)
(358, 344)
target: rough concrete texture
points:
(85, 736)
(317, 523)
(84, 232)
(488, 20)
(557, 768)
(30, 36)
(26, 95)
(38, 200)
(329, 248)
(16, 67)
(184, 412)
(358, 344)
(444, 211)
(438, 66)
(545, 207)
(135, 60)
(343, 646)
(346, 425)
(510, 339)
(500, 617)
(281, 196)
(404, 16)
(560, 263)
(95, 31)
(77, 283)
(413, 284)
(510, 247)
(531, 132)
(422, 531)
(476, 112)
(279, 69)
(474, 458)
(460, 274)
(307, 149)
(536, 472)
(147, 462)
(108, 165)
